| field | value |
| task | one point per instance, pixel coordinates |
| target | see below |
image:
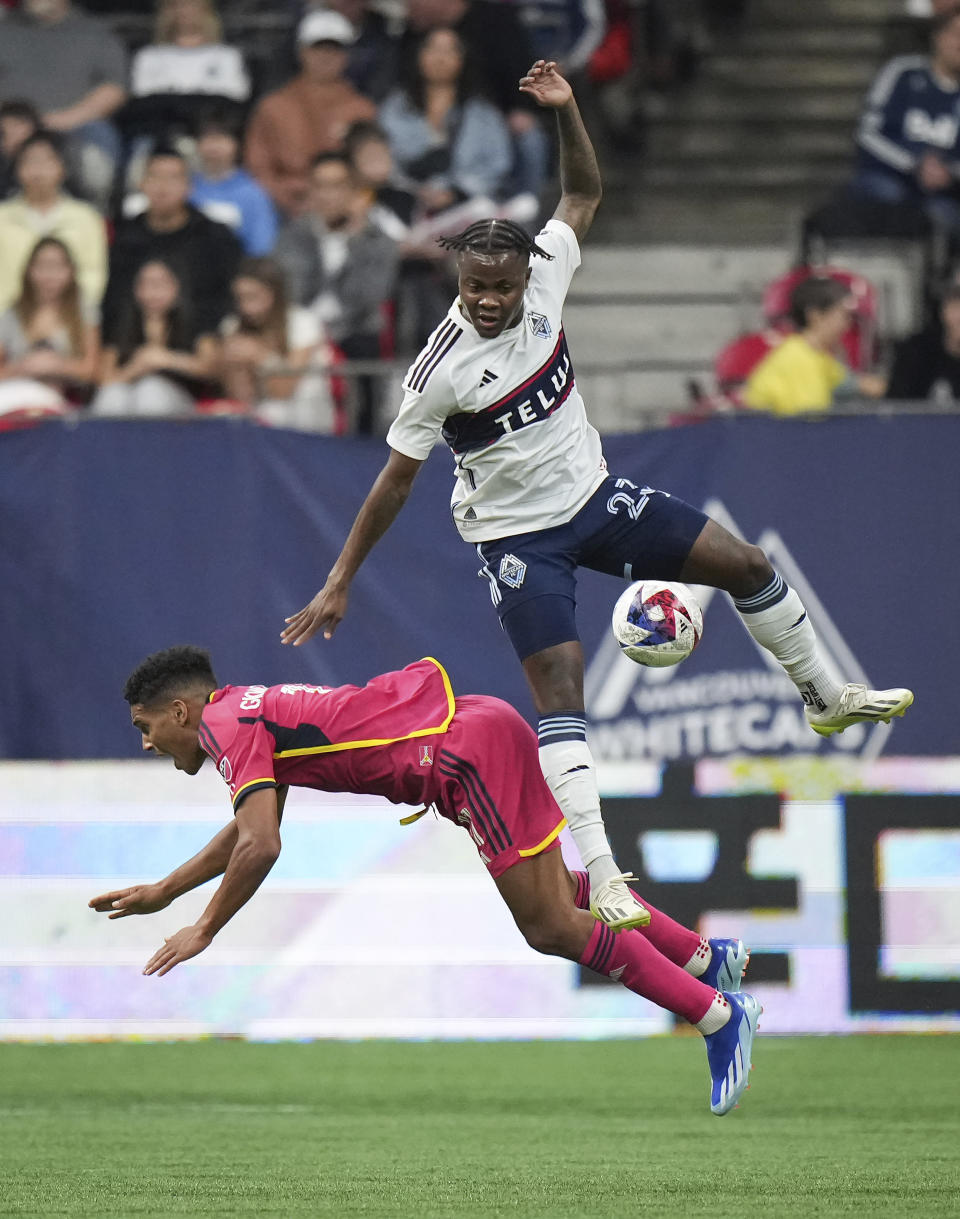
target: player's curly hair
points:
(165, 674)
(494, 237)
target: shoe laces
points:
(616, 889)
(623, 878)
(853, 694)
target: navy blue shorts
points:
(623, 530)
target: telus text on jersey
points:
(532, 402)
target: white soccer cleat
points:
(613, 903)
(858, 705)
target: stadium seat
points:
(738, 359)
(29, 416)
(860, 341)
(731, 367)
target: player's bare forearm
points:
(256, 851)
(249, 866)
(380, 509)
(205, 865)
(579, 171)
(148, 899)
(580, 181)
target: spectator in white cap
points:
(308, 116)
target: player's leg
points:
(720, 963)
(555, 677)
(489, 781)
(538, 894)
(776, 618)
(537, 891)
(532, 586)
(639, 531)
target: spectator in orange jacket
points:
(310, 115)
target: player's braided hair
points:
(494, 237)
(168, 673)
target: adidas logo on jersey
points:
(487, 377)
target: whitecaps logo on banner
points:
(658, 715)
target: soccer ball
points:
(657, 623)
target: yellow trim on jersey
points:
(266, 779)
(335, 747)
(542, 846)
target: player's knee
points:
(752, 571)
(556, 678)
(551, 936)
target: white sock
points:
(568, 767)
(776, 619)
(698, 963)
(717, 1015)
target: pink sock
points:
(582, 898)
(676, 942)
(630, 958)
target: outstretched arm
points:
(384, 501)
(205, 865)
(580, 185)
(147, 899)
(256, 851)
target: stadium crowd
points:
(187, 224)
(191, 222)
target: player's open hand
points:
(186, 943)
(138, 899)
(324, 613)
(545, 84)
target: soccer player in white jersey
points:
(534, 495)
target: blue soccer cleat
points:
(728, 964)
(728, 1052)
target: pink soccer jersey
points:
(334, 739)
(396, 737)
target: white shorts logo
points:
(512, 571)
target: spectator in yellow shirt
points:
(803, 374)
(42, 208)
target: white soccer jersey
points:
(526, 457)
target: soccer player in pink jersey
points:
(404, 736)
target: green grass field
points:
(831, 1126)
